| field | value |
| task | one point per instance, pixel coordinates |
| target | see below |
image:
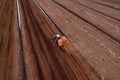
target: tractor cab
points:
(60, 40)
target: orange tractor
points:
(60, 40)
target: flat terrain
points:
(28, 50)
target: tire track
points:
(30, 34)
(21, 60)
